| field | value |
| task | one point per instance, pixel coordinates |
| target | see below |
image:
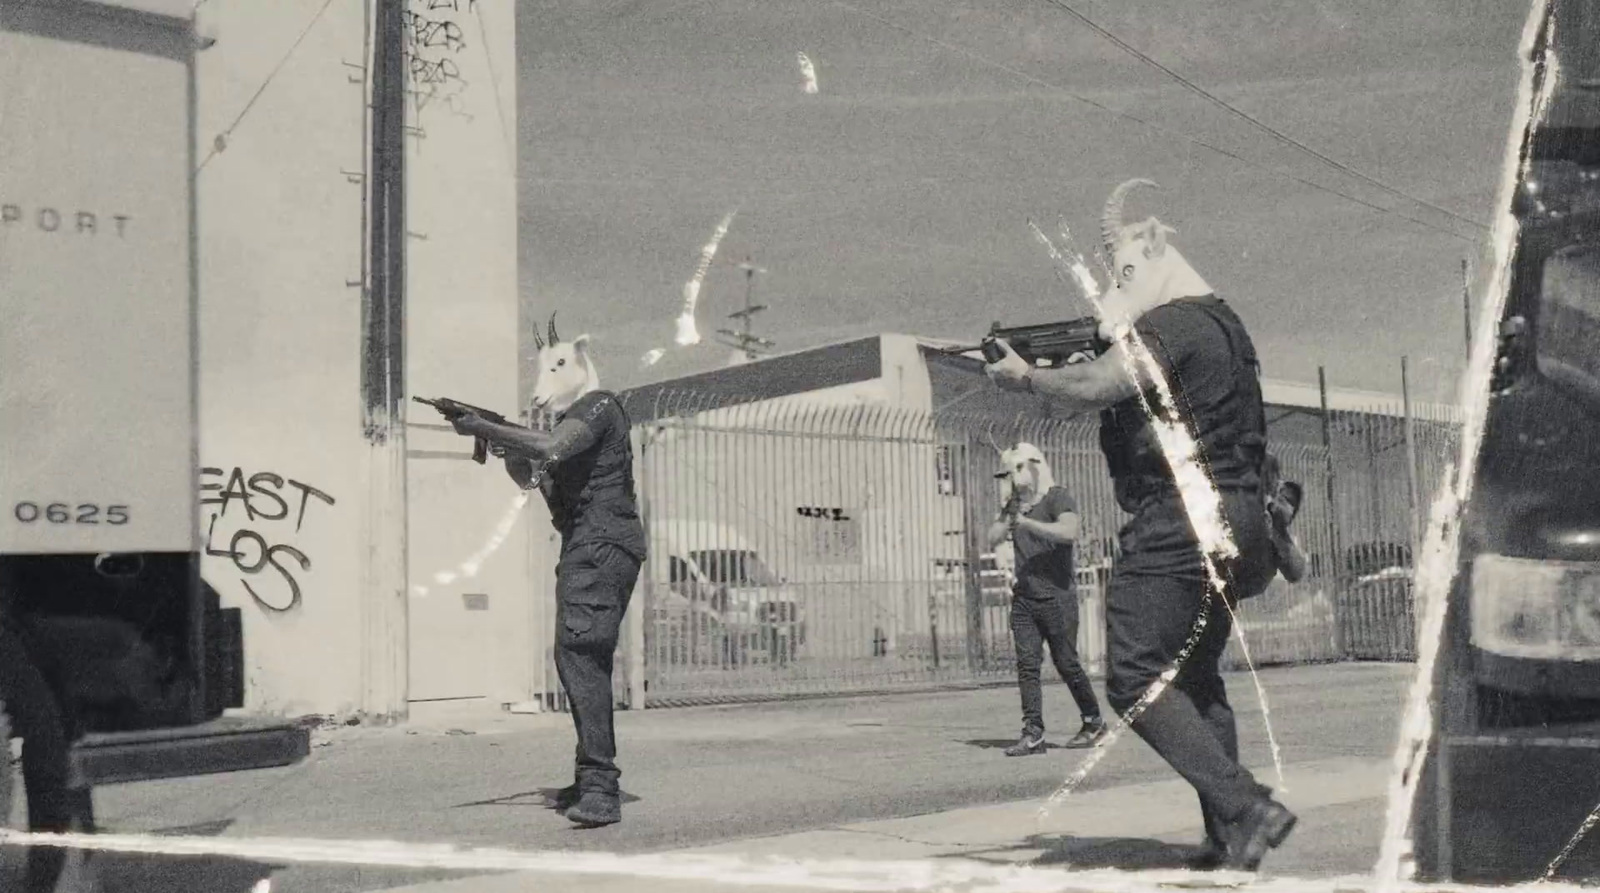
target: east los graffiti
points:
(241, 489)
(267, 555)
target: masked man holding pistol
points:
(1159, 584)
(587, 480)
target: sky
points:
(897, 197)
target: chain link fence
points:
(799, 549)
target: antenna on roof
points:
(744, 340)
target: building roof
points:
(861, 359)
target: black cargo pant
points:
(594, 583)
(1035, 623)
(1152, 602)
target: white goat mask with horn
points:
(1146, 270)
(1024, 467)
(566, 371)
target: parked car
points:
(715, 599)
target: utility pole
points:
(384, 596)
(743, 339)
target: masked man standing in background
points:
(1041, 520)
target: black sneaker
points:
(1028, 745)
(1264, 826)
(595, 809)
(1088, 736)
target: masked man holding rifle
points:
(1159, 585)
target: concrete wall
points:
(281, 248)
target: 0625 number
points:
(65, 513)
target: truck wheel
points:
(53, 805)
(8, 769)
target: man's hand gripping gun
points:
(452, 410)
(1058, 343)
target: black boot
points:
(595, 809)
(564, 799)
(1212, 854)
(1264, 826)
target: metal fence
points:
(1386, 470)
(804, 549)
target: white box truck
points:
(117, 662)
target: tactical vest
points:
(1230, 426)
(591, 495)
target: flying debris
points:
(653, 357)
(687, 334)
(809, 73)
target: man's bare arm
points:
(1089, 387)
(1064, 529)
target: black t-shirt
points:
(1208, 361)
(591, 493)
(1045, 568)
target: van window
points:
(733, 567)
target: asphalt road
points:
(691, 776)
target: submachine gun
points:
(1054, 343)
(455, 409)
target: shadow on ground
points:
(1003, 743)
(1059, 851)
(542, 798)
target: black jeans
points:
(594, 583)
(1152, 602)
(1036, 622)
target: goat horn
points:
(554, 338)
(537, 341)
(1111, 217)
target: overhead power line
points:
(1115, 113)
(1253, 121)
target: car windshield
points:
(733, 567)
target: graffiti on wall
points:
(434, 40)
(829, 535)
(268, 510)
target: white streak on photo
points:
(687, 334)
(808, 71)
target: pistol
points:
(1055, 343)
(455, 409)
